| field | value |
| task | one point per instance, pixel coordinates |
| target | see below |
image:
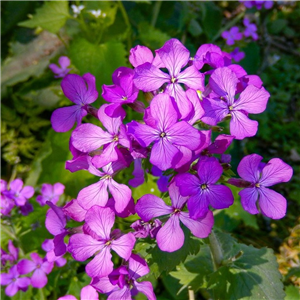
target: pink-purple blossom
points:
(232, 35)
(62, 70)
(50, 193)
(260, 177)
(250, 29)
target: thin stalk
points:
(191, 294)
(155, 13)
(216, 251)
(127, 22)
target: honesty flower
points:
(202, 188)
(250, 29)
(171, 237)
(11, 256)
(86, 293)
(259, 177)
(98, 223)
(82, 92)
(232, 35)
(50, 193)
(63, 70)
(163, 129)
(237, 55)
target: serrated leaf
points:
(254, 275)
(52, 16)
(99, 60)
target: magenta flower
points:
(19, 193)
(250, 29)
(99, 222)
(258, 4)
(63, 70)
(89, 137)
(73, 210)
(14, 282)
(122, 283)
(6, 203)
(11, 256)
(97, 194)
(171, 237)
(259, 177)
(222, 103)
(237, 55)
(165, 132)
(174, 57)
(50, 193)
(232, 35)
(86, 293)
(202, 188)
(82, 92)
(48, 246)
(144, 229)
(40, 268)
(141, 54)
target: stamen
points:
(204, 186)
(162, 135)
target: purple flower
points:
(97, 194)
(258, 4)
(222, 103)
(141, 54)
(14, 282)
(165, 132)
(138, 173)
(163, 181)
(99, 222)
(56, 223)
(174, 57)
(144, 229)
(250, 29)
(237, 55)
(19, 193)
(87, 293)
(171, 237)
(50, 193)
(73, 210)
(48, 246)
(40, 267)
(232, 35)
(63, 70)
(11, 256)
(89, 137)
(122, 92)
(203, 190)
(82, 92)
(259, 177)
(122, 283)
(6, 203)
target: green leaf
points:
(250, 274)
(194, 28)
(292, 293)
(99, 60)
(52, 16)
(148, 187)
(252, 61)
(152, 37)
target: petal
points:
(174, 56)
(111, 124)
(248, 168)
(249, 197)
(83, 246)
(214, 111)
(55, 220)
(94, 194)
(26, 266)
(100, 220)
(123, 294)
(138, 173)
(275, 171)
(89, 137)
(64, 61)
(220, 196)
(5, 279)
(183, 134)
(223, 82)
(192, 78)
(200, 228)
(47, 267)
(58, 189)
(27, 192)
(124, 245)
(241, 126)
(252, 100)
(163, 111)
(63, 119)
(11, 289)
(137, 266)
(198, 205)
(146, 288)
(221, 143)
(177, 200)
(170, 237)
(209, 170)
(139, 55)
(39, 279)
(73, 210)
(188, 184)
(103, 285)
(197, 111)
(121, 194)
(88, 293)
(144, 134)
(149, 78)
(23, 282)
(150, 206)
(59, 244)
(16, 185)
(113, 93)
(108, 155)
(271, 203)
(164, 154)
(101, 265)
(67, 297)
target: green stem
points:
(216, 250)
(155, 13)
(62, 40)
(127, 22)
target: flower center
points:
(105, 177)
(230, 107)
(173, 79)
(257, 185)
(163, 134)
(204, 186)
(199, 93)
(115, 139)
(124, 98)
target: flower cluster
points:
(173, 138)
